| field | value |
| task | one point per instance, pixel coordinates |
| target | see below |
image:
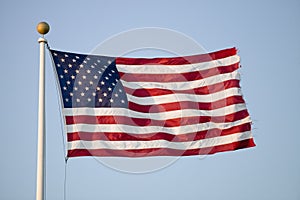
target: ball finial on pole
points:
(43, 28)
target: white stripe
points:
(156, 116)
(184, 85)
(175, 69)
(126, 145)
(170, 98)
(178, 130)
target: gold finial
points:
(43, 28)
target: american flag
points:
(136, 107)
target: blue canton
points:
(88, 80)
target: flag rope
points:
(61, 128)
(65, 180)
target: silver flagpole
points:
(42, 28)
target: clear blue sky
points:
(267, 36)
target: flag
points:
(138, 107)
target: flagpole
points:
(42, 28)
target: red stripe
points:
(178, 60)
(181, 77)
(83, 119)
(217, 87)
(108, 136)
(162, 151)
(185, 105)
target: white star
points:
(74, 60)
(88, 71)
(91, 83)
(76, 57)
(113, 84)
(113, 71)
(55, 54)
(100, 100)
(109, 74)
(88, 58)
(62, 60)
(77, 71)
(104, 94)
(98, 61)
(120, 90)
(73, 77)
(122, 101)
(75, 88)
(111, 100)
(109, 62)
(116, 95)
(95, 77)
(68, 82)
(87, 88)
(98, 88)
(102, 83)
(67, 100)
(81, 66)
(66, 71)
(85, 61)
(99, 72)
(92, 66)
(65, 88)
(61, 76)
(106, 77)
(58, 65)
(70, 66)
(94, 94)
(71, 94)
(84, 77)
(117, 80)
(95, 64)
(82, 94)
(89, 99)
(66, 55)
(78, 100)
(109, 89)
(79, 83)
